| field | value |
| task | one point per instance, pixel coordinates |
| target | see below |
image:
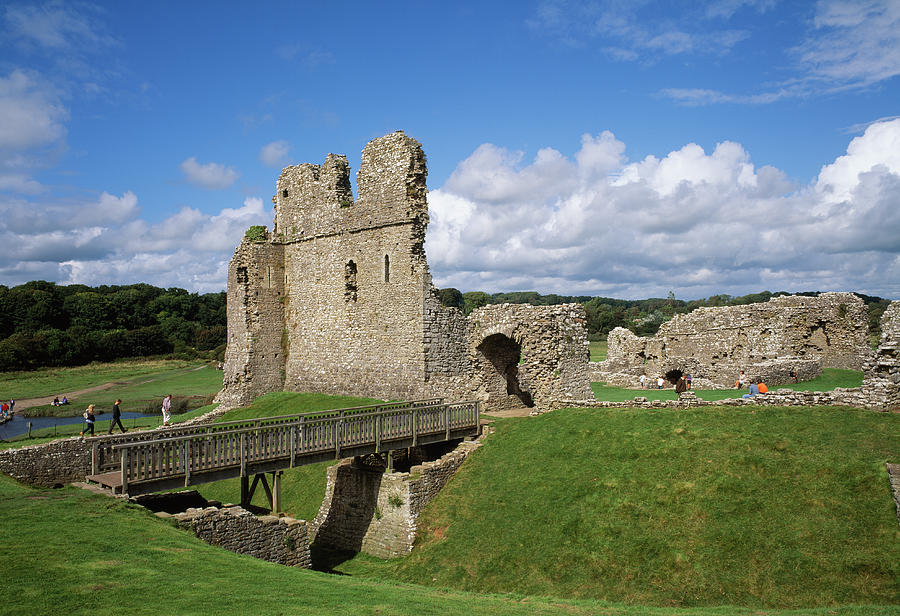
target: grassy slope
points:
(71, 552)
(831, 378)
(753, 507)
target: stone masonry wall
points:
(368, 510)
(281, 540)
(715, 343)
(48, 464)
(255, 353)
(519, 352)
(881, 384)
(356, 312)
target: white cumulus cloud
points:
(691, 221)
(212, 176)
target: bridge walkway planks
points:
(212, 452)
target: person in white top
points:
(166, 408)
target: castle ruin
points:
(775, 341)
(338, 299)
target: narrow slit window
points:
(387, 268)
(350, 288)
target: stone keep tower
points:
(333, 300)
(338, 299)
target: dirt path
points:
(522, 411)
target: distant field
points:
(598, 350)
(830, 379)
(140, 385)
(53, 381)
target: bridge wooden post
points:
(339, 436)
(243, 454)
(245, 491)
(293, 444)
(95, 458)
(377, 433)
(186, 452)
(415, 425)
(447, 421)
(276, 491)
(124, 465)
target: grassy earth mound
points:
(762, 507)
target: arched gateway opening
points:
(499, 358)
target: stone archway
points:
(498, 363)
(673, 375)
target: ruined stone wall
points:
(281, 540)
(832, 326)
(768, 340)
(256, 349)
(446, 340)
(881, 383)
(520, 352)
(356, 312)
(48, 464)
(368, 510)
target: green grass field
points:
(140, 390)
(769, 508)
(579, 511)
(694, 512)
(831, 378)
(598, 350)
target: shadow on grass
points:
(325, 559)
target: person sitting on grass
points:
(762, 388)
(754, 390)
(55, 401)
(88, 420)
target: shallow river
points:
(19, 424)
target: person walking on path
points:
(88, 420)
(643, 380)
(166, 409)
(12, 406)
(116, 418)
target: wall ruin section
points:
(353, 309)
(767, 340)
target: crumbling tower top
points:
(312, 200)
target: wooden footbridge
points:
(155, 460)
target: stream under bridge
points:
(179, 456)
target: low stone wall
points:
(772, 372)
(368, 510)
(276, 539)
(783, 397)
(48, 464)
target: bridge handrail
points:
(148, 461)
(313, 419)
(217, 426)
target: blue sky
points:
(606, 148)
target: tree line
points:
(642, 316)
(45, 324)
